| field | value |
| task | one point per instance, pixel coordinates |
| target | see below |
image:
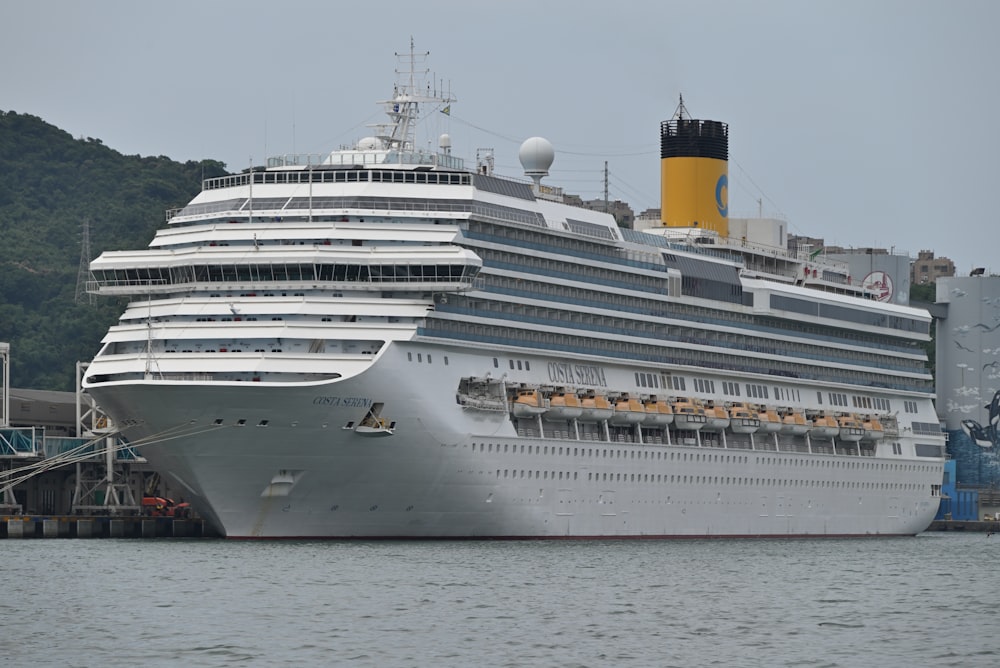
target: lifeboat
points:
(794, 423)
(850, 428)
(824, 426)
(628, 411)
(658, 412)
(716, 418)
(742, 420)
(688, 415)
(595, 407)
(528, 403)
(769, 420)
(873, 429)
(563, 406)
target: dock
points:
(101, 526)
(981, 526)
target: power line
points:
(760, 190)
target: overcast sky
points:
(868, 123)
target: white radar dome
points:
(368, 144)
(444, 141)
(536, 156)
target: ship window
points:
(420, 357)
(218, 421)
(496, 363)
(446, 360)
(240, 423)
(409, 357)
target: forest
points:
(51, 184)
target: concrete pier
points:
(84, 528)
(101, 526)
(987, 526)
(15, 528)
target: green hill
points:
(50, 183)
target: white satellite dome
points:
(368, 144)
(536, 156)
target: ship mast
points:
(404, 107)
(681, 112)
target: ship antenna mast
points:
(681, 113)
(404, 107)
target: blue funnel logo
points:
(722, 195)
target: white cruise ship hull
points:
(380, 342)
(295, 468)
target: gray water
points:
(924, 601)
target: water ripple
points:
(808, 603)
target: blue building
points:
(956, 504)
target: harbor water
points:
(924, 601)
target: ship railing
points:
(454, 329)
(298, 160)
(195, 377)
(339, 206)
(802, 357)
(349, 157)
(126, 285)
(612, 255)
(374, 280)
(321, 206)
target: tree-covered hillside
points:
(49, 184)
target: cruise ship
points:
(383, 341)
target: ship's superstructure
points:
(382, 342)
